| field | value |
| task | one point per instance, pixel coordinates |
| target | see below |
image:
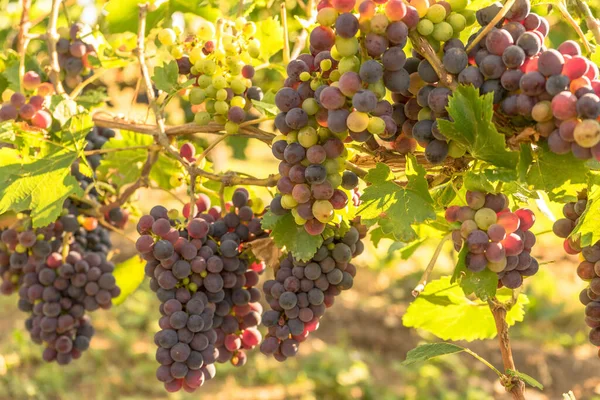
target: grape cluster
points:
(73, 54)
(302, 291)
(495, 237)
(442, 21)
(27, 106)
(55, 291)
(555, 89)
(205, 279)
(223, 71)
(588, 269)
(58, 293)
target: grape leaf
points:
(40, 185)
(201, 8)
(125, 166)
(428, 351)
(129, 275)
(286, 233)
(393, 207)
(443, 310)
(477, 182)
(270, 34)
(122, 15)
(165, 77)
(265, 108)
(556, 174)
(588, 228)
(474, 129)
(525, 378)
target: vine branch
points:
(591, 21)
(52, 37)
(567, 15)
(425, 278)
(23, 38)
(514, 385)
(423, 47)
(491, 25)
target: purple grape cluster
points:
(302, 291)
(58, 293)
(73, 54)
(204, 277)
(588, 269)
(556, 89)
(496, 238)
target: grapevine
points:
(297, 139)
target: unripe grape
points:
(485, 217)
(587, 133)
(31, 80)
(167, 37)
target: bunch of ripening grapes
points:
(223, 70)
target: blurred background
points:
(358, 349)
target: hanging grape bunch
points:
(73, 54)
(302, 291)
(223, 71)
(30, 105)
(495, 237)
(205, 278)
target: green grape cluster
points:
(442, 21)
(222, 68)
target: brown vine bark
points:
(515, 386)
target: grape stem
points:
(116, 149)
(591, 22)
(286, 38)
(423, 47)
(79, 88)
(513, 384)
(491, 25)
(52, 37)
(571, 21)
(425, 278)
(192, 187)
(23, 38)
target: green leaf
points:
(122, 15)
(556, 174)
(200, 8)
(428, 351)
(40, 185)
(483, 284)
(125, 166)
(443, 310)
(294, 238)
(165, 77)
(394, 208)
(266, 108)
(477, 182)
(238, 145)
(525, 161)
(129, 275)
(270, 34)
(473, 127)
(588, 228)
(525, 378)
(92, 98)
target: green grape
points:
(326, 64)
(497, 266)
(470, 16)
(425, 27)
(197, 96)
(484, 217)
(211, 92)
(335, 75)
(357, 121)
(297, 218)
(208, 67)
(346, 47)
(177, 52)
(436, 13)
(331, 166)
(204, 81)
(238, 85)
(196, 55)
(254, 49)
(322, 210)
(219, 82)
(324, 134)
(379, 23)
(335, 180)
(315, 83)
(310, 105)
(455, 150)
(376, 126)
(335, 54)
(308, 137)
(220, 119)
(305, 76)
(327, 16)
(202, 118)
(351, 63)
(457, 22)
(167, 37)
(435, 44)
(210, 106)
(288, 202)
(231, 127)
(221, 107)
(292, 137)
(206, 30)
(238, 101)
(458, 5)
(425, 113)
(378, 88)
(442, 31)
(221, 95)
(249, 29)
